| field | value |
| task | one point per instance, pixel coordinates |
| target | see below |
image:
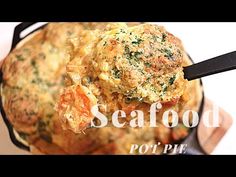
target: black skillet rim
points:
(16, 39)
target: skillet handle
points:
(21, 27)
(17, 31)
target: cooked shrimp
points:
(74, 107)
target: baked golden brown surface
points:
(144, 62)
(34, 74)
(121, 67)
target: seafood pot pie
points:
(77, 65)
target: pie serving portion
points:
(77, 65)
(128, 67)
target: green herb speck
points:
(20, 58)
(33, 63)
(116, 73)
(163, 37)
(137, 55)
(172, 79)
(156, 38)
(168, 54)
(122, 31)
(148, 64)
(164, 88)
(137, 42)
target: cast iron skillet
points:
(16, 39)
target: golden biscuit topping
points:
(141, 63)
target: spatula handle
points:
(212, 66)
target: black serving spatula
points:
(212, 66)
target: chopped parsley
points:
(36, 71)
(147, 64)
(167, 53)
(137, 41)
(164, 88)
(36, 81)
(135, 56)
(50, 84)
(116, 73)
(122, 31)
(156, 38)
(30, 113)
(141, 71)
(172, 79)
(127, 52)
(26, 50)
(163, 37)
(179, 53)
(20, 58)
(153, 89)
(33, 63)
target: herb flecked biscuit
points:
(121, 67)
